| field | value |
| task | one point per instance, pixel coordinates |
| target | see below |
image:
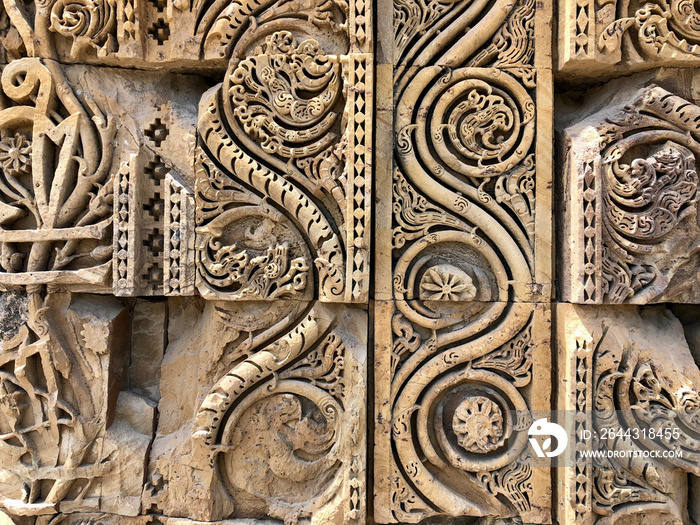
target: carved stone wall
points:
(337, 262)
(627, 261)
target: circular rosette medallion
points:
(477, 420)
(450, 277)
(477, 423)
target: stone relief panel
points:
(628, 368)
(286, 130)
(274, 424)
(70, 440)
(56, 223)
(465, 171)
(612, 37)
(177, 34)
(630, 182)
(451, 435)
(200, 323)
(462, 326)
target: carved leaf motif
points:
(62, 207)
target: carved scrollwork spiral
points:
(637, 395)
(284, 102)
(281, 427)
(302, 423)
(226, 30)
(480, 124)
(86, 22)
(288, 98)
(666, 28)
(648, 197)
(471, 126)
(470, 419)
(646, 184)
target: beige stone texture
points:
(149, 333)
(294, 445)
(629, 226)
(599, 40)
(343, 262)
(622, 368)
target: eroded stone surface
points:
(630, 228)
(71, 442)
(264, 429)
(627, 368)
(252, 265)
(13, 312)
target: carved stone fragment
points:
(631, 202)
(91, 201)
(274, 421)
(266, 262)
(69, 440)
(626, 369)
(613, 37)
(299, 141)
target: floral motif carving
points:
(61, 209)
(172, 34)
(640, 190)
(55, 400)
(478, 424)
(624, 382)
(463, 266)
(660, 27)
(469, 420)
(290, 404)
(15, 155)
(444, 283)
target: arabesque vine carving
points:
(463, 264)
(639, 190)
(57, 190)
(308, 143)
(626, 395)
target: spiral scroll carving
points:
(283, 217)
(642, 184)
(464, 324)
